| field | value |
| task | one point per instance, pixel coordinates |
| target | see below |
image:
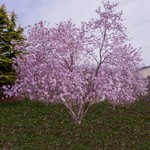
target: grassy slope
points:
(31, 125)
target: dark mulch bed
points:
(9, 99)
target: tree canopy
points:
(79, 66)
(9, 31)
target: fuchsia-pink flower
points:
(79, 66)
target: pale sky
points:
(136, 13)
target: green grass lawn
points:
(30, 125)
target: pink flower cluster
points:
(79, 66)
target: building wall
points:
(145, 72)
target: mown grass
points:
(30, 125)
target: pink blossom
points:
(79, 66)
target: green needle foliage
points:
(8, 31)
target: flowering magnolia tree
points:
(79, 66)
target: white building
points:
(145, 71)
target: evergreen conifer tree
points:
(8, 31)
